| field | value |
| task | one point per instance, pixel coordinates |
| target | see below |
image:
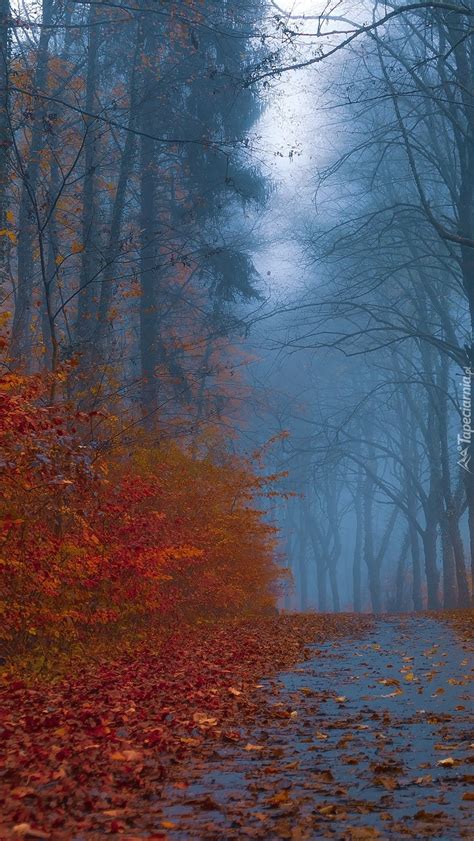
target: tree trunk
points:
(449, 583)
(302, 561)
(417, 595)
(431, 568)
(447, 512)
(149, 315)
(87, 298)
(401, 571)
(373, 571)
(459, 562)
(113, 245)
(5, 137)
(357, 559)
(336, 603)
(20, 344)
(320, 571)
(47, 304)
(469, 484)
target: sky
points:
(302, 7)
(294, 140)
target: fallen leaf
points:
(328, 809)
(126, 756)
(387, 783)
(446, 763)
(363, 833)
(279, 798)
(203, 720)
(25, 830)
(430, 817)
(22, 791)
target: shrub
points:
(97, 543)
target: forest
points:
(236, 357)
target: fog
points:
(256, 221)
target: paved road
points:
(368, 739)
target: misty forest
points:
(237, 452)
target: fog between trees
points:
(146, 234)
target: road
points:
(370, 738)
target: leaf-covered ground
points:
(377, 745)
(242, 731)
(88, 756)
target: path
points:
(370, 739)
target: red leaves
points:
(90, 753)
(97, 544)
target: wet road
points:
(370, 738)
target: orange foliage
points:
(90, 540)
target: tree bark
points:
(20, 344)
(373, 571)
(5, 139)
(149, 252)
(87, 298)
(357, 559)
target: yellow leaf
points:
(10, 216)
(61, 731)
(77, 247)
(203, 720)
(126, 756)
(327, 810)
(278, 799)
(4, 232)
(25, 830)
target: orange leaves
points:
(204, 721)
(102, 543)
(127, 756)
(100, 742)
(11, 235)
(449, 762)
